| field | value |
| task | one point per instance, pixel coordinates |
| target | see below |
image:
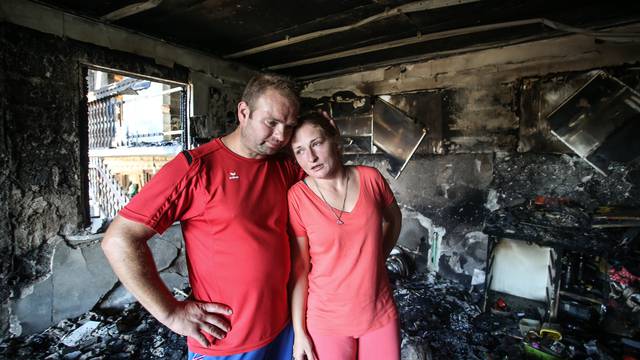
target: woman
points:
(346, 221)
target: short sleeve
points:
(173, 194)
(385, 190)
(295, 221)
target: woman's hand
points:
(303, 348)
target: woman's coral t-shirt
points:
(349, 292)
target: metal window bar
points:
(105, 189)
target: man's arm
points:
(125, 246)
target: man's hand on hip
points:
(192, 318)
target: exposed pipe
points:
(130, 10)
(602, 35)
(402, 9)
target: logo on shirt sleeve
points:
(233, 175)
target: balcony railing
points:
(105, 190)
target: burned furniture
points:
(600, 122)
(551, 262)
(369, 124)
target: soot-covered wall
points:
(486, 142)
(43, 150)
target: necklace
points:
(344, 201)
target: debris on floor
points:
(130, 334)
(440, 319)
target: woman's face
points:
(316, 153)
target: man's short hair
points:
(260, 83)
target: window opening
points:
(135, 126)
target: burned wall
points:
(214, 106)
(6, 244)
(442, 199)
(488, 146)
(444, 188)
(44, 146)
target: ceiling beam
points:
(403, 42)
(500, 65)
(130, 10)
(604, 35)
(402, 9)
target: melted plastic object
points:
(398, 264)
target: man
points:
(230, 197)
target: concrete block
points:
(164, 251)
(79, 278)
(120, 296)
(174, 236)
(33, 313)
(117, 299)
(180, 265)
(174, 281)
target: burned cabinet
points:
(558, 296)
(396, 134)
(551, 264)
(563, 285)
(369, 124)
(600, 122)
(583, 290)
(354, 119)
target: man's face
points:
(267, 128)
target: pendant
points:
(339, 222)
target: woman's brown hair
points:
(328, 128)
(319, 120)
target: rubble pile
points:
(557, 225)
(441, 319)
(521, 177)
(130, 334)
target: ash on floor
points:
(440, 319)
(130, 334)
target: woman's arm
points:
(302, 344)
(391, 225)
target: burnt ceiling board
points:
(224, 28)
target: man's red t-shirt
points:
(233, 212)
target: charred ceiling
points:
(318, 37)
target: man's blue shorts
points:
(281, 348)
